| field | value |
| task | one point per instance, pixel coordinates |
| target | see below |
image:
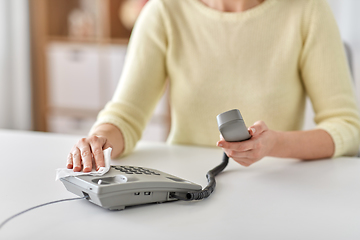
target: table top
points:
(273, 199)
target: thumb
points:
(257, 128)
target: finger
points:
(247, 155)
(76, 160)
(96, 145)
(257, 128)
(238, 146)
(69, 163)
(243, 162)
(107, 145)
(220, 143)
(242, 159)
(86, 155)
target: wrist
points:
(102, 130)
(113, 135)
(277, 143)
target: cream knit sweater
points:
(263, 61)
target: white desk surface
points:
(273, 199)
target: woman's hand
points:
(260, 144)
(90, 149)
(85, 150)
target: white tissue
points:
(64, 172)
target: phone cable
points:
(41, 205)
(206, 192)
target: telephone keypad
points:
(135, 170)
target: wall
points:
(15, 87)
(347, 14)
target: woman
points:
(260, 56)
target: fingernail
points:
(253, 130)
(219, 144)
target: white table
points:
(273, 199)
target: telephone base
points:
(125, 186)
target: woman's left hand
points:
(261, 144)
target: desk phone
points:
(126, 186)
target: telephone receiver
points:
(232, 126)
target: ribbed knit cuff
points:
(336, 136)
(344, 137)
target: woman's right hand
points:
(85, 150)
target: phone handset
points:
(232, 126)
(233, 129)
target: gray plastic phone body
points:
(232, 126)
(126, 186)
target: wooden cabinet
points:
(74, 76)
(105, 14)
(75, 70)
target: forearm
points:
(113, 135)
(307, 145)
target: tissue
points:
(64, 172)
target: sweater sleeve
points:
(142, 82)
(326, 77)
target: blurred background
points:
(60, 61)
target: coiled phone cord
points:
(198, 195)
